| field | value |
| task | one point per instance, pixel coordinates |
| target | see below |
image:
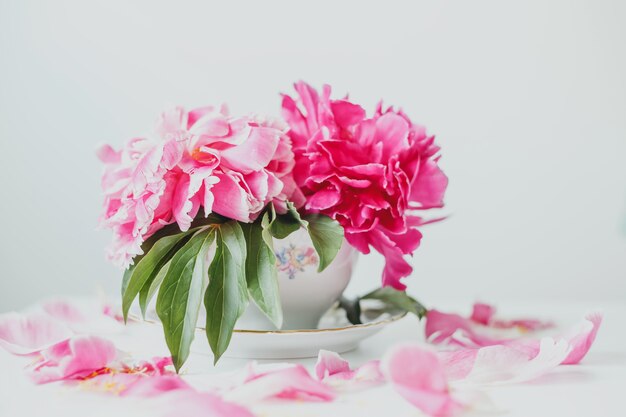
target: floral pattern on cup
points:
(292, 259)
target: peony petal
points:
(255, 153)
(369, 373)
(82, 317)
(482, 313)
(134, 384)
(429, 186)
(346, 114)
(310, 102)
(323, 199)
(73, 359)
(499, 364)
(330, 363)
(454, 330)
(485, 314)
(418, 376)
(291, 382)
(29, 334)
(233, 199)
(582, 338)
(186, 199)
(298, 128)
(392, 131)
(335, 371)
(171, 122)
(108, 155)
(396, 267)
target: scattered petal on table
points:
(128, 384)
(459, 332)
(457, 364)
(482, 313)
(452, 329)
(291, 382)
(369, 373)
(113, 311)
(25, 334)
(155, 366)
(330, 363)
(485, 314)
(82, 317)
(335, 371)
(503, 364)
(75, 358)
(417, 375)
(583, 337)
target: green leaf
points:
(226, 298)
(126, 277)
(150, 288)
(144, 272)
(261, 273)
(282, 225)
(180, 295)
(327, 237)
(398, 299)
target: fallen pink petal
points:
(335, 371)
(419, 377)
(72, 359)
(133, 384)
(485, 314)
(82, 317)
(582, 338)
(288, 382)
(26, 334)
(455, 330)
(461, 333)
(500, 364)
(330, 363)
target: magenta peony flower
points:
(369, 174)
(198, 155)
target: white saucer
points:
(334, 333)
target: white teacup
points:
(305, 294)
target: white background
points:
(527, 99)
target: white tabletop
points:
(592, 388)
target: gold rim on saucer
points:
(375, 322)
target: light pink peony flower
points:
(198, 155)
(369, 174)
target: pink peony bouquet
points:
(207, 181)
